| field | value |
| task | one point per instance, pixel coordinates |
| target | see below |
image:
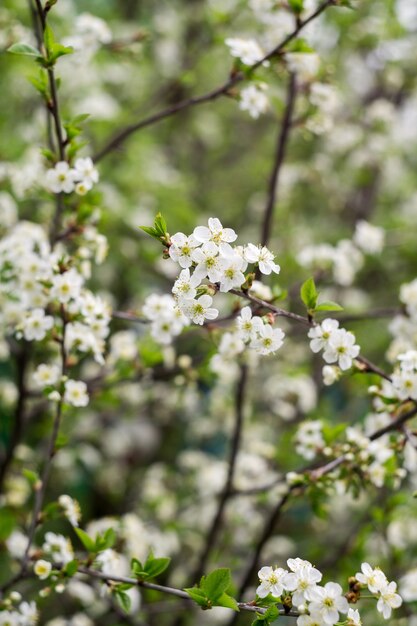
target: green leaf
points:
(123, 599)
(105, 541)
(25, 50)
(154, 567)
(32, 477)
(150, 230)
(198, 596)
(71, 568)
(88, 543)
(48, 38)
(160, 224)
(271, 613)
(58, 50)
(7, 523)
(227, 601)
(216, 583)
(158, 230)
(309, 294)
(328, 306)
(296, 5)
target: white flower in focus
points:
(199, 310)
(254, 100)
(388, 600)
(302, 579)
(181, 249)
(328, 601)
(36, 324)
(186, 285)
(369, 238)
(374, 579)
(271, 582)
(46, 375)
(247, 50)
(232, 268)
(354, 619)
(42, 569)
(269, 340)
(341, 348)
(248, 326)
(215, 232)
(320, 335)
(76, 393)
(71, 509)
(208, 262)
(263, 257)
(61, 178)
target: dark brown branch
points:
(280, 151)
(120, 137)
(22, 360)
(228, 487)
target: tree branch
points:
(120, 137)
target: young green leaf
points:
(123, 598)
(25, 50)
(328, 306)
(216, 583)
(296, 5)
(198, 596)
(88, 543)
(227, 601)
(154, 567)
(71, 568)
(309, 294)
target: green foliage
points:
(54, 50)
(158, 230)
(24, 49)
(212, 590)
(296, 5)
(7, 523)
(101, 542)
(309, 296)
(151, 568)
(269, 617)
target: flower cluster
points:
(321, 605)
(377, 583)
(65, 179)
(338, 344)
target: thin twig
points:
(120, 137)
(228, 487)
(280, 150)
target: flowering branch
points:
(223, 90)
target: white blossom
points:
(268, 340)
(254, 100)
(272, 582)
(76, 393)
(61, 178)
(263, 257)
